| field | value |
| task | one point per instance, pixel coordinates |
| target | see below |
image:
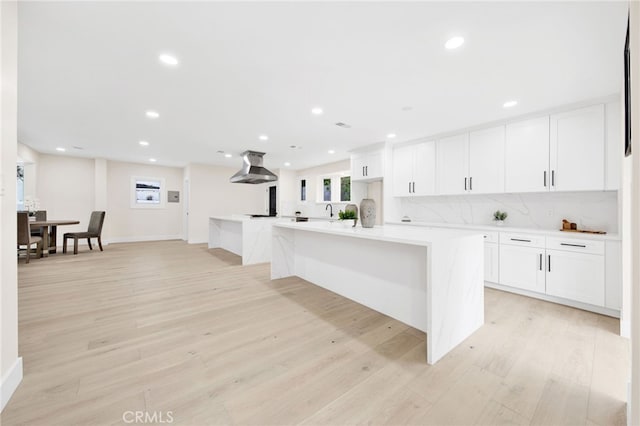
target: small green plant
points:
(349, 214)
(498, 215)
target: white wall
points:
(590, 210)
(10, 363)
(29, 158)
(211, 194)
(124, 223)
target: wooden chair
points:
(94, 231)
(25, 238)
(41, 216)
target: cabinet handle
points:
(366, 169)
(549, 262)
(409, 187)
(414, 187)
(541, 261)
(465, 184)
(545, 178)
(471, 183)
(518, 239)
(363, 171)
(553, 178)
(573, 245)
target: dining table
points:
(50, 232)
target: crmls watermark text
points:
(147, 417)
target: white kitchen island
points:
(247, 237)
(430, 279)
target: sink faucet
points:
(330, 207)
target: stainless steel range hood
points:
(252, 170)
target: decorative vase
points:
(368, 213)
(351, 207)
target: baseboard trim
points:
(10, 382)
(144, 238)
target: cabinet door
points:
(522, 267)
(491, 262)
(576, 276)
(357, 167)
(402, 171)
(486, 161)
(577, 149)
(527, 156)
(424, 168)
(452, 166)
(374, 167)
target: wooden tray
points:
(583, 231)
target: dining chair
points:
(41, 216)
(94, 231)
(25, 238)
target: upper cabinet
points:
(527, 156)
(577, 149)
(471, 162)
(367, 166)
(414, 170)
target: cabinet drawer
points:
(576, 245)
(491, 237)
(527, 240)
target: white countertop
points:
(389, 233)
(241, 218)
(549, 232)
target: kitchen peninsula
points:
(430, 279)
(245, 236)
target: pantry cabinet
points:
(414, 170)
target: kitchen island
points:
(430, 279)
(245, 236)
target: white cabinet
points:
(522, 267)
(577, 149)
(367, 166)
(491, 262)
(527, 156)
(471, 163)
(414, 169)
(576, 276)
(452, 165)
(486, 161)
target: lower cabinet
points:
(576, 276)
(522, 267)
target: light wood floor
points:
(170, 327)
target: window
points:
(20, 188)
(146, 192)
(326, 189)
(303, 190)
(345, 188)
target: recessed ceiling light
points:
(168, 59)
(144, 143)
(509, 104)
(152, 114)
(391, 135)
(228, 155)
(331, 151)
(316, 111)
(60, 149)
(287, 164)
(153, 160)
(454, 43)
(263, 137)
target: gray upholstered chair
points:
(25, 238)
(94, 231)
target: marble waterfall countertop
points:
(430, 279)
(494, 228)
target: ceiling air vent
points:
(343, 125)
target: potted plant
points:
(499, 217)
(348, 215)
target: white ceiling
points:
(89, 71)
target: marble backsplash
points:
(590, 210)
